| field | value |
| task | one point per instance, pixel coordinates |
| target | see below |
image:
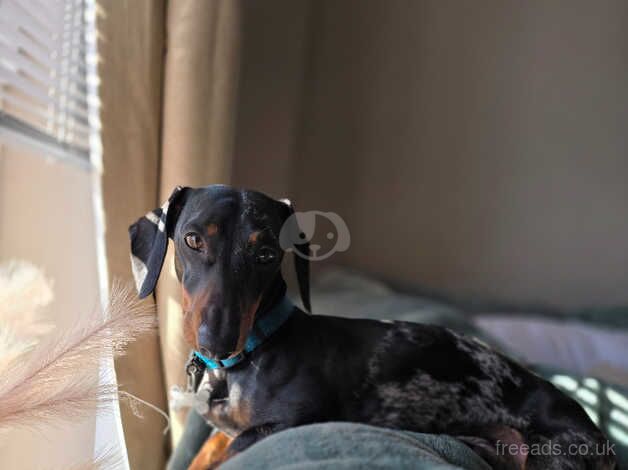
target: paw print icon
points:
(315, 235)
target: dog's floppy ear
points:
(291, 235)
(149, 241)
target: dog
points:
(268, 366)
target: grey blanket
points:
(337, 446)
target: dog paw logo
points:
(325, 232)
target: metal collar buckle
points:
(194, 368)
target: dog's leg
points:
(213, 452)
(250, 437)
(500, 446)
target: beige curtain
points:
(131, 64)
(197, 135)
(169, 74)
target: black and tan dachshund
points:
(271, 366)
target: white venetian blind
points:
(43, 85)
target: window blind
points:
(43, 70)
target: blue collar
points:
(262, 329)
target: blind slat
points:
(30, 16)
(77, 137)
(18, 65)
(43, 79)
(18, 41)
(70, 102)
(46, 117)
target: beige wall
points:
(270, 93)
(473, 147)
(34, 195)
(483, 145)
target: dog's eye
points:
(265, 255)
(194, 241)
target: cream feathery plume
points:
(56, 379)
(24, 290)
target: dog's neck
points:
(272, 296)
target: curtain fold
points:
(131, 69)
(169, 83)
(200, 88)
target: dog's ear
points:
(149, 241)
(291, 234)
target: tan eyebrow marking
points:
(212, 229)
(253, 237)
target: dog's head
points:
(227, 258)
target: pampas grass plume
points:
(51, 377)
